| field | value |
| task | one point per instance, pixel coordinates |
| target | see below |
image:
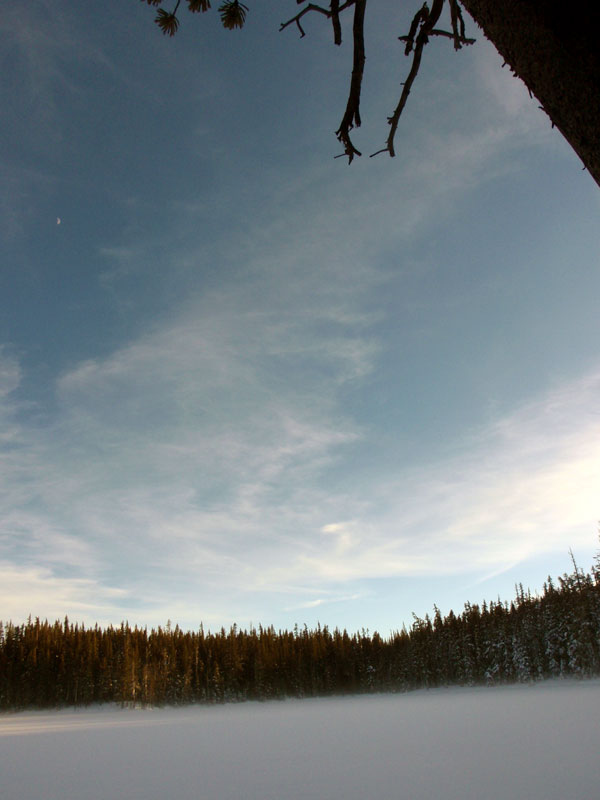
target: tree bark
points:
(555, 49)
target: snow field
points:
(538, 742)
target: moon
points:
(58, 220)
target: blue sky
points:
(243, 382)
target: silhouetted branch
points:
(418, 19)
(422, 27)
(335, 21)
(452, 35)
(457, 17)
(351, 116)
(310, 7)
(331, 13)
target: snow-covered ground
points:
(538, 742)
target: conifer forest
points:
(553, 634)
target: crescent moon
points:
(58, 220)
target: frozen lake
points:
(539, 742)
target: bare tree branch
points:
(454, 5)
(298, 17)
(418, 18)
(451, 35)
(351, 116)
(331, 13)
(335, 21)
(424, 20)
(454, 12)
(421, 29)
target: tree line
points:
(534, 637)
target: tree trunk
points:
(555, 50)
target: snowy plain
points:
(540, 742)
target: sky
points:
(244, 382)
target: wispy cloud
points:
(37, 588)
(45, 39)
(524, 485)
(185, 456)
(10, 373)
(191, 452)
